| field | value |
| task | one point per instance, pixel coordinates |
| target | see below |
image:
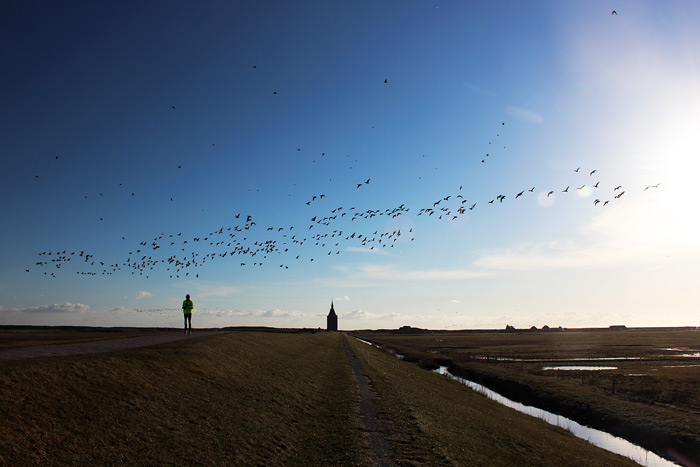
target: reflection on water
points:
(397, 355)
(595, 437)
(580, 368)
(539, 360)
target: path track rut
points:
(375, 428)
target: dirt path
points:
(106, 345)
(375, 429)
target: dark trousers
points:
(188, 319)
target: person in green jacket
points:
(187, 307)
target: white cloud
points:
(455, 301)
(344, 298)
(638, 232)
(273, 313)
(545, 256)
(142, 294)
(218, 291)
(524, 114)
(54, 308)
(377, 272)
(364, 314)
(373, 275)
(371, 250)
(277, 313)
(479, 89)
(208, 289)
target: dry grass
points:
(650, 402)
(257, 399)
(28, 336)
(438, 421)
(233, 399)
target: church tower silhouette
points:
(332, 320)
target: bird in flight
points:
(613, 13)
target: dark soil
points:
(375, 428)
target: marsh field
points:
(639, 384)
(259, 398)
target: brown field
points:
(247, 398)
(652, 397)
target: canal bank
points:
(681, 450)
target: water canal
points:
(596, 437)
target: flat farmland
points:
(640, 384)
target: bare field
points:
(649, 391)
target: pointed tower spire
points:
(332, 320)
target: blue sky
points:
(161, 122)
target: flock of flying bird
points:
(280, 246)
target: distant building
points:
(332, 320)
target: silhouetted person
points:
(187, 307)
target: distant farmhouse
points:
(332, 320)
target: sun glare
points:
(671, 175)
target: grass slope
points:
(232, 399)
(438, 421)
(652, 398)
(257, 399)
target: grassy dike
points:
(258, 399)
(230, 399)
(437, 421)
